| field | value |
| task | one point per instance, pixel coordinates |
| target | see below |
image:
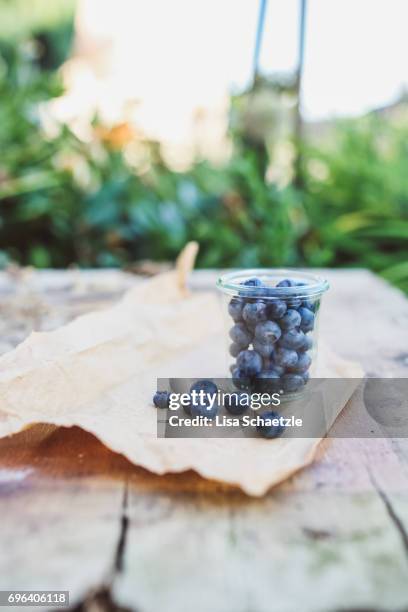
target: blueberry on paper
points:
(201, 407)
(249, 362)
(265, 349)
(292, 382)
(267, 428)
(285, 358)
(254, 313)
(303, 363)
(208, 386)
(276, 309)
(161, 399)
(237, 403)
(292, 339)
(268, 332)
(307, 322)
(235, 308)
(290, 320)
(240, 335)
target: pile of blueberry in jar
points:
(271, 336)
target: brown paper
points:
(100, 371)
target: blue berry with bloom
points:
(303, 363)
(252, 282)
(240, 379)
(307, 343)
(265, 349)
(249, 362)
(208, 386)
(276, 309)
(286, 282)
(268, 332)
(285, 358)
(291, 319)
(234, 349)
(308, 318)
(161, 399)
(267, 381)
(240, 335)
(292, 339)
(235, 308)
(270, 426)
(254, 313)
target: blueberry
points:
(292, 382)
(269, 428)
(268, 332)
(235, 308)
(249, 362)
(291, 319)
(208, 386)
(252, 282)
(255, 284)
(303, 363)
(285, 357)
(254, 313)
(307, 322)
(239, 379)
(265, 349)
(310, 304)
(287, 282)
(275, 367)
(203, 409)
(240, 335)
(267, 381)
(307, 343)
(276, 309)
(305, 376)
(161, 399)
(234, 349)
(200, 406)
(237, 403)
(292, 339)
(294, 303)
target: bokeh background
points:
(274, 133)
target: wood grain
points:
(76, 516)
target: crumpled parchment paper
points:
(99, 372)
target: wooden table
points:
(75, 516)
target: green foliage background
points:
(63, 201)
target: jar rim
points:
(312, 284)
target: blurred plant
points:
(113, 200)
(356, 198)
(49, 24)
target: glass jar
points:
(272, 318)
